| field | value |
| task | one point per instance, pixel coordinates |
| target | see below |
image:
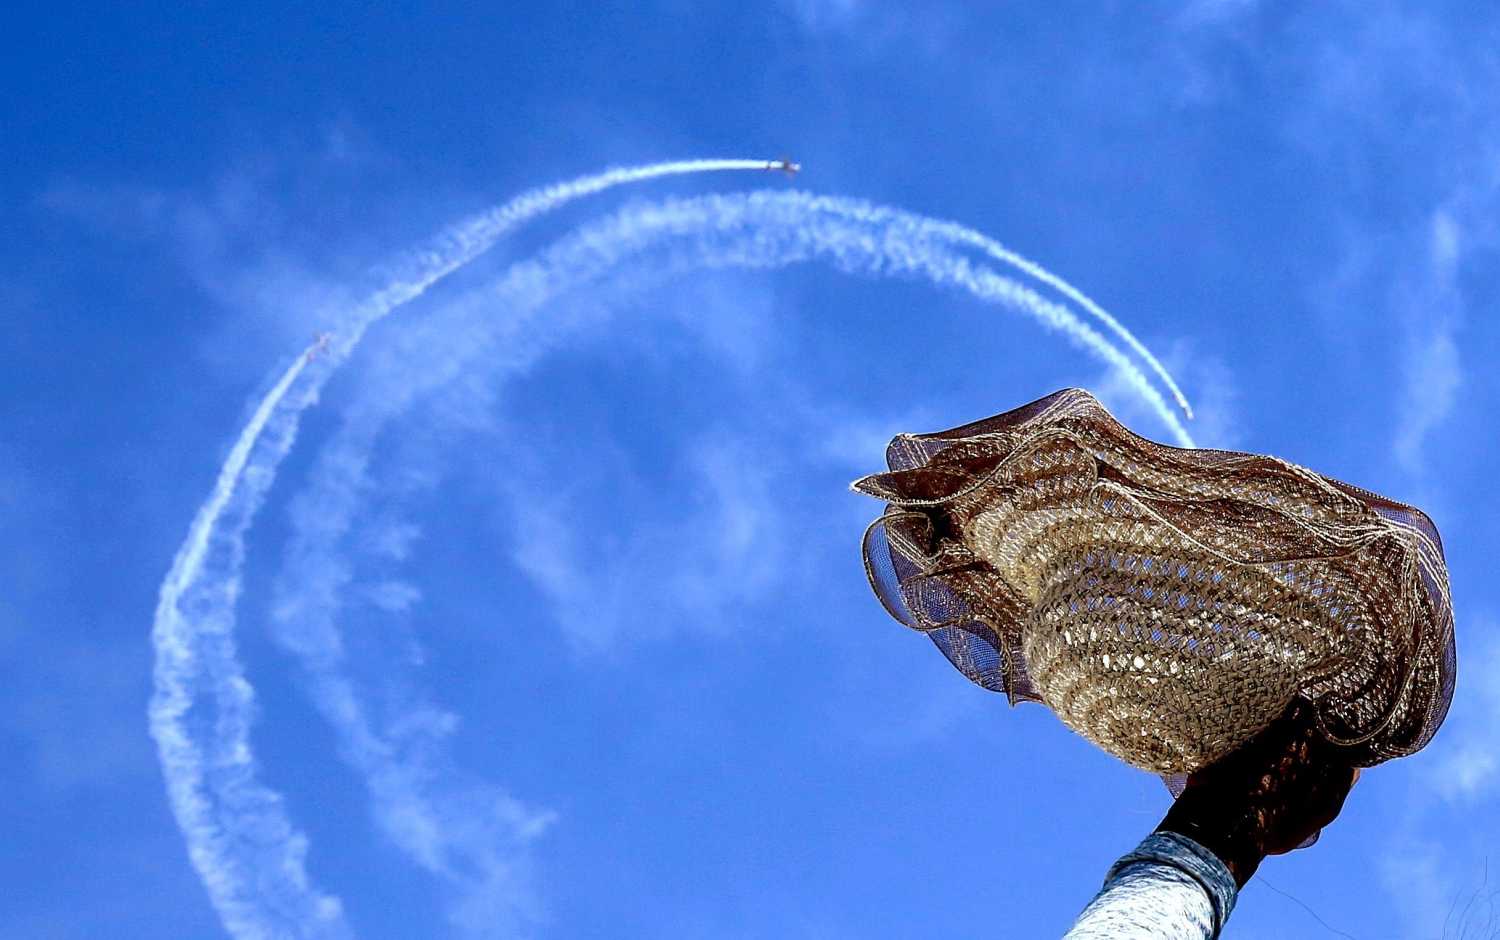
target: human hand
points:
(1267, 797)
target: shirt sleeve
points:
(1168, 888)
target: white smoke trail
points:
(225, 815)
(230, 821)
(244, 848)
(473, 237)
(959, 234)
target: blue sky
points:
(553, 613)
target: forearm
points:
(1168, 888)
(1229, 838)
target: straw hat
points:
(1166, 604)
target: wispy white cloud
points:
(393, 597)
(388, 539)
(235, 242)
(1432, 369)
(1205, 38)
(875, 26)
(65, 712)
(29, 564)
(1440, 893)
(1215, 13)
(856, 442)
(719, 544)
(1392, 60)
(1467, 771)
(1441, 828)
(1367, 67)
(1464, 766)
(827, 15)
(735, 320)
(471, 835)
(1418, 876)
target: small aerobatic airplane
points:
(320, 345)
(785, 165)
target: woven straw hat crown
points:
(1165, 603)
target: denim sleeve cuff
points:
(1202, 865)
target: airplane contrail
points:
(184, 639)
(961, 234)
(239, 838)
(473, 237)
(923, 227)
(194, 644)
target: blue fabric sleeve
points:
(1168, 887)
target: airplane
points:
(785, 165)
(320, 345)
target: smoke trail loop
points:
(250, 857)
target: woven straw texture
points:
(1167, 604)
